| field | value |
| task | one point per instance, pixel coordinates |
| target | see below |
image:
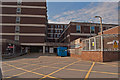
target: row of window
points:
(56, 31)
(17, 28)
(78, 29)
(59, 26)
(54, 35)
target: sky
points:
(82, 12)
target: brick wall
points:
(111, 56)
(115, 30)
(92, 56)
(75, 56)
(98, 56)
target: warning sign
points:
(115, 43)
(93, 44)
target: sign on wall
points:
(93, 44)
(115, 43)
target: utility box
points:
(62, 51)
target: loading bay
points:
(35, 66)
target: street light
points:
(101, 31)
(100, 23)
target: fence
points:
(76, 47)
(106, 42)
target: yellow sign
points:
(115, 43)
(93, 44)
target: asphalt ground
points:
(35, 66)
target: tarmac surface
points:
(36, 66)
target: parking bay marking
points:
(87, 75)
(60, 69)
(31, 71)
(75, 69)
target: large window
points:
(92, 29)
(78, 28)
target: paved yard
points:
(37, 67)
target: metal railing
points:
(111, 42)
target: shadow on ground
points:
(30, 55)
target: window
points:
(17, 19)
(58, 35)
(104, 28)
(18, 10)
(16, 37)
(19, 2)
(56, 31)
(58, 26)
(55, 26)
(54, 35)
(51, 35)
(78, 28)
(92, 29)
(65, 26)
(59, 31)
(51, 26)
(17, 28)
(51, 31)
(61, 26)
(99, 29)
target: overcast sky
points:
(82, 11)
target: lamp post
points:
(101, 31)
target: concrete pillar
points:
(95, 43)
(89, 44)
(43, 49)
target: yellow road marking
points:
(104, 63)
(29, 71)
(71, 69)
(14, 69)
(24, 72)
(59, 69)
(87, 75)
(106, 72)
(8, 70)
(22, 67)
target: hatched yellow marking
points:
(59, 69)
(28, 71)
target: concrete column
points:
(95, 43)
(89, 44)
(43, 49)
